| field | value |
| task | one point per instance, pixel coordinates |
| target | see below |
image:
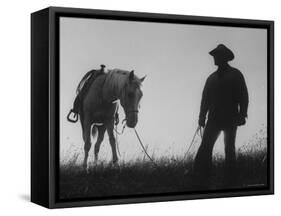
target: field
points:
(169, 175)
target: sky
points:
(175, 59)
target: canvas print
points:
(151, 108)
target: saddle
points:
(82, 90)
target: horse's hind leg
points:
(112, 141)
(87, 141)
(101, 131)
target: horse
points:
(98, 108)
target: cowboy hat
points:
(222, 51)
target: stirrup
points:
(75, 116)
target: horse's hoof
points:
(96, 160)
(115, 161)
(86, 169)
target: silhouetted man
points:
(225, 100)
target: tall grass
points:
(170, 174)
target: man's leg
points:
(230, 156)
(203, 160)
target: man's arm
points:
(243, 97)
(204, 105)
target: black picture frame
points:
(45, 104)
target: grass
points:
(170, 175)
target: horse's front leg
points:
(112, 141)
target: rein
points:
(198, 131)
(137, 135)
(144, 150)
(132, 111)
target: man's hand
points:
(201, 122)
(241, 121)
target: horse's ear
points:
(132, 75)
(142, 79)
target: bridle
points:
(129, 111)
(132, 111)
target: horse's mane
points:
(116, 80)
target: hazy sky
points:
(176, 61)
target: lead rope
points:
(144, 150)
(137, 135)
(199, 131)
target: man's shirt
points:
(225, 97)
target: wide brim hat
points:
(222, 51)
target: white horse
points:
(97, 110)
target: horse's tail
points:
(94, 130)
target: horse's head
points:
(130, 99)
